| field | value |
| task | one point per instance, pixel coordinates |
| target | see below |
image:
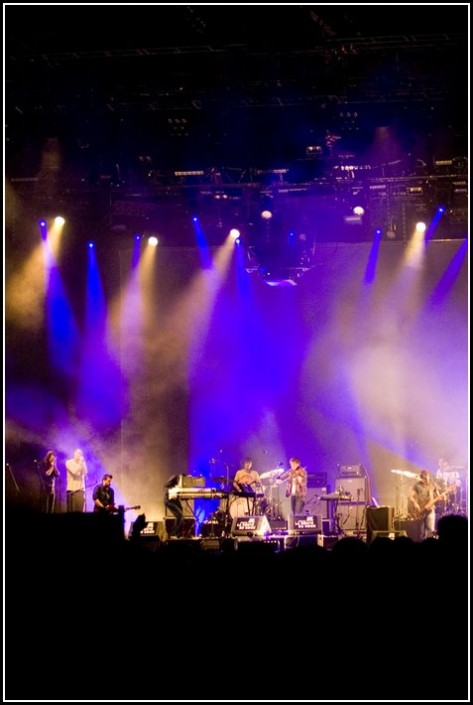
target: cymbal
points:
(405, 473)
(271, 473)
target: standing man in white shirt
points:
(76, 471)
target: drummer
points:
(246, 478)
(248, 481)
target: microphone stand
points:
(12, 476)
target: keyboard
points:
(196, 493)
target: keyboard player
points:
(248, 482)
(174, 504)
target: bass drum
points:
(239, 506)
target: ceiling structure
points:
(149, 114)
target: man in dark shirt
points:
(104, 496)
(422, 499)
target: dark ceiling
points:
(128, 95)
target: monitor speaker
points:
(303, 524)
(378, 519)
(251, 526)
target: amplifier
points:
(251, 525)
(303, 524)
(357, 487)
(351, 470)
(317, 479)
(191, 481)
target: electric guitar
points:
(420, 513)
(113, 509)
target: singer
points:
(76, 471)
(49, 472)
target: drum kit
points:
(267, 498)
(278, 505)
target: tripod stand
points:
(11, 481)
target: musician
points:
(76, 468)
(447, 474)
(246, 477)
(248, 483)
(174, 504)
(49, 472)
(104, 496)
(422, 498)
(296, 487)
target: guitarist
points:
(104, 496)
(423, 497)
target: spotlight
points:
(59, 220)
(266, 215)
(421, 227)
(91, 244)
(42, 223)
(234, 233)
(314, 150)
(359, 210)
(153, 241)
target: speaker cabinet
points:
(151, 530)
(315, 505)
(388, 534)
(378, 519)
(350, 516)
(356, 486)
(412, 527)
(187, 508)
(187, 528)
